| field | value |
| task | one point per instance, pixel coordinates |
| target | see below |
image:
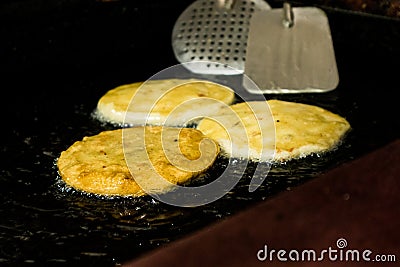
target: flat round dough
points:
(300, 130)
(169, 102)
(98, 164)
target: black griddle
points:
(58, 58)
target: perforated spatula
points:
(214, 34)
(290, 50)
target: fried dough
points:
(169, 102)
(120, 162)
(300, 130)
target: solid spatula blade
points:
(293, 59)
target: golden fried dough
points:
(169, 102)
(300, 130)
(113, 162)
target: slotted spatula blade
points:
(290, 50)
(214, 34)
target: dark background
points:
(58, 57)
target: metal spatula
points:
(215, 33)
(290, 50)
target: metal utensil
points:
(290, 50)
(215, 32)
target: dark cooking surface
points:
(58, 58)
(338, 206)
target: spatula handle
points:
(288, 17)
(229, 3)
